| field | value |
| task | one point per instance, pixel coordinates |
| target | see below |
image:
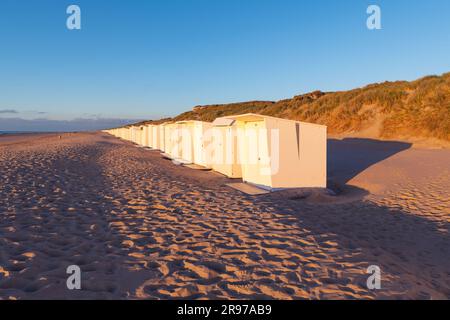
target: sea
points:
(21, 132)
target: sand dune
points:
(141, 227)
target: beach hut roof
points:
(192, 122)
(188, 121)
(223, 122)
(259, 117)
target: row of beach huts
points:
(267, 152)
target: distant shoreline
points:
(26, 132)
(7, 137)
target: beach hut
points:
(133, 134)
(195, 139)
(162, 141)
(155, 139)
(278, 153)
(130, 134)
(145, 136)
(136, 135)
(225, 151)
(124, 133)
(167, 138)
(148, 135)
(139, 135)
(172, 137)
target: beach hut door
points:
(256, 148)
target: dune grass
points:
(398, 109)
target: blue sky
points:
(141, 59)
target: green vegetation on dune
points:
(392, 110)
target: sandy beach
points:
(141, 227)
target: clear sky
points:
(142, 59)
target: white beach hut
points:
(225, 151)
(130, 134)
(167, 138)
(149, 135)
(278, 153)
(136, 134)
(162, 136)
(155, 137)
(125, 133)
(195, 142)
(172, 138)
(145, 136)
(133, 134)
(140, 136)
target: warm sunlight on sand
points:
(141, 227)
